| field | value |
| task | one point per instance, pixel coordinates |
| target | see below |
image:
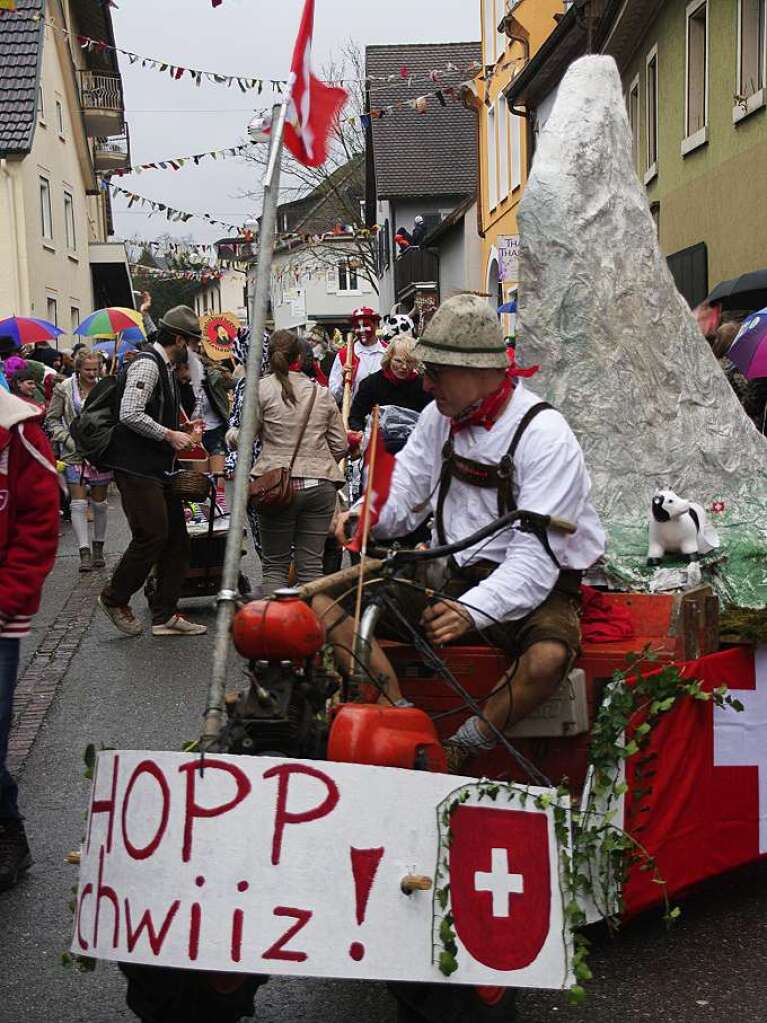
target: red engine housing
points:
(364, 733)
(283, 629)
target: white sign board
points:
(260, 865)
(508, 258)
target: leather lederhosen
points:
(487, 476)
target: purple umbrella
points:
(749, 349)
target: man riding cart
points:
(486, 446)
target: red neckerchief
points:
(386, 370)
(487, 412)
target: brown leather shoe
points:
(457, 757)
(122, 618)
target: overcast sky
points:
(253, 38)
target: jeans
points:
(9, 666)
(158, 537)
(300, 531)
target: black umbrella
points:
(749, 291)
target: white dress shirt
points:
(370, 362)
(550, 478)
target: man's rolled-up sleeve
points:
(143, 376)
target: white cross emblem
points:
(499, 882)
(740, 739)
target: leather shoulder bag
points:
(274, 490)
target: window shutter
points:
(331, 281)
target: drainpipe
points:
(18, 311)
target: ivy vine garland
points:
(595, 853)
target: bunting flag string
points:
(165, 247)
(170, 214)
(203, 276)
(246, 83)
(178, 161)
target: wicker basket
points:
(190, 486)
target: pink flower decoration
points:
(718, 507)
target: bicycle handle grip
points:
(561, 525)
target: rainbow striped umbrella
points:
(749, 349)
(110, 322)
(27, 331)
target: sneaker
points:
(86, 562)
(15, 856)
(122, 618)
(177, 625)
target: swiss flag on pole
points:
(314, 106)
(377, 488)
(706, 809)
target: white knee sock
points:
(100, 509)
(79, 510)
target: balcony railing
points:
(414, 266)
(112, 153)
(101, 96)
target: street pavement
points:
(149, 694)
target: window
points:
(632, 109)
(489, 31)
(74, 318)
(59, 117)
(651, 113)
(69, 221)
(503, 147)
(52, 307)
(696, 113)
(46, 217)
(492, 158)
(347, 276)
(516, 150)
(751, 32)
(41, 104)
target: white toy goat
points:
(678, 526)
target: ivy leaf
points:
(576, 995)
(89, 756)
(447, 963)
(442, 894)
(445, 931)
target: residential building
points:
(61, 121)
(224, 294)
(421, 159)
(511, 34)
(324, 264)
(458, 247)
(693, 73)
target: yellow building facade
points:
(511, 34)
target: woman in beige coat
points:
(297, 533)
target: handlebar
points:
(529, 522)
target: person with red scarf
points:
(397, 382)
(487, 445)
(367, 352)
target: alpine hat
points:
(182, 320)
(464, 331)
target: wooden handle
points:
(415, 883)
(73, 858)
(347, 577)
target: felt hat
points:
(182, 320)
(464, 331)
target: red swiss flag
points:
(314, 106)
(500, 884)
(706, 809)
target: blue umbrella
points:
(108, 348)
(507, 307)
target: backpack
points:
(92, 430)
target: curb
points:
(36, 688)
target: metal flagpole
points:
(227, 597)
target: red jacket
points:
(29, 513)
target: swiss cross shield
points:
(500, 884)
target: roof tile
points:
(20, 50)
(419, 155)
